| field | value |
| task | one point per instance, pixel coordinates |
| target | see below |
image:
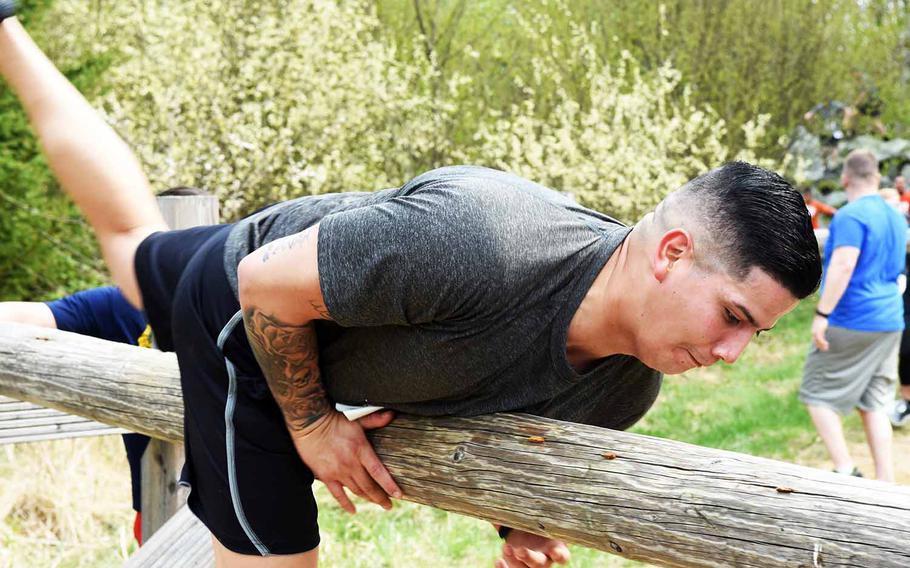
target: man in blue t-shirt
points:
(103, 313)
(856, 332)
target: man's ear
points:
(675, 245)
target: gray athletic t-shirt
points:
(453, 295)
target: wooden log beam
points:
(644, 498)
(114, 383)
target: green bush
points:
(317, 100)
(740, 57)
(619, 140)
(302, 99)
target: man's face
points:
(700, 316)
(899, 184)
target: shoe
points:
(855, 473)
(900, 412)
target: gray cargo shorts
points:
(859, 370)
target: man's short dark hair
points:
(754, 218)
(183, 191)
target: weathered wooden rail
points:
(645, 498)
(26, 422)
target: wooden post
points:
(183, 212)
(162, 461)
(644, 498)
(182, 541)
(161, 496)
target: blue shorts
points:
(248, 484)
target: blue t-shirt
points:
(872, 301)
(104, 313)
(100, 312)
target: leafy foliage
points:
(310, 103)
(261, 101)
(620, 139)
(316, 101)
(741, 58)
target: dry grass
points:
(65, 503)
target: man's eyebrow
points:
(749, 317)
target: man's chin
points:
(675, 371)
(672, 367)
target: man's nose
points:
(732, 346)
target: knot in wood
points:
(615, 546)
(459, 454)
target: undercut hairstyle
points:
(183, 191)
(861, 164)
(744, 217)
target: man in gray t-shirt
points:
(453, 295)
(465, 291)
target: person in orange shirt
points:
(900, 184)
(816, 208)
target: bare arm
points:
(93, 165)
(280, 301)
(32, 313)
(840, 270)
(281, 298)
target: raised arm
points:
(281, 298)
(93, 165)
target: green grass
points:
(414, 536)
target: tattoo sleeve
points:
(289, 357)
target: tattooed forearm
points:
(289, 357)
(285, 244)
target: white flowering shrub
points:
(262, 101)
(622, 142)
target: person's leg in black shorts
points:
(900, 411)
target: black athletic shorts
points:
(248, 485)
